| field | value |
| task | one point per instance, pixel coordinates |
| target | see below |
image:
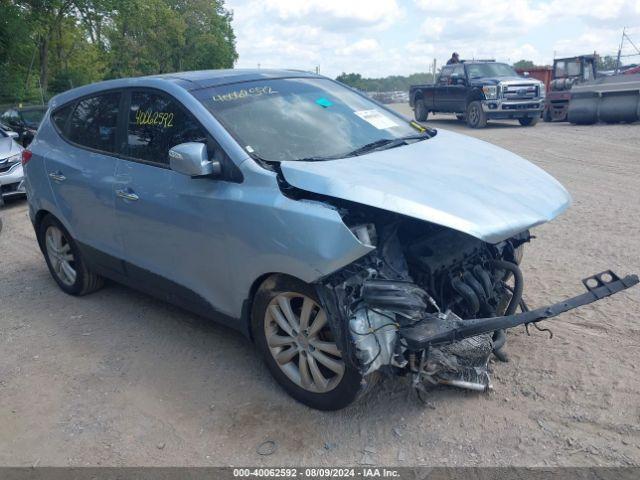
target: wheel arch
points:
(39, 217)
(417, 95)
(473, 95)
(247, 307)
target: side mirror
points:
(457, 79)
(192, 159)
(12, 134)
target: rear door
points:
(81, 172)
(172, 225)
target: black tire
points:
(420, 111)
(476, 118)
(85, 280)
(350, 387)
(529, 121)
(460, 117)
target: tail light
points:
(26, 156)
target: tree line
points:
(49, 46)
(387, 84)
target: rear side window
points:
(157, 123)
(60, 117)
(94, 121)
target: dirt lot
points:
(117, 378)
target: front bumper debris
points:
(443, 329)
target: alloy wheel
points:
(301, 342)
(474, 115)
(60, 255)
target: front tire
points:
(420, 111)
(476, 118)
(529, 121)
(66, 265)
(293, 334)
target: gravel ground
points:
(118, 378)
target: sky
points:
(377, 38)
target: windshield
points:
(33, 117)
(479, 70)
(301, 118)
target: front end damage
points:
(434, 303)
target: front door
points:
(172, 225)
(457, 90)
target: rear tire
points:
(314, 375)
(529, 121)
(420, 111)
(63, 257)
(476, 118)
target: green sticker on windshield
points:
(323, 102)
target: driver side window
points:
(459, 71)
(156, 122)
(445, 76)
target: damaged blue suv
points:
(342, 238)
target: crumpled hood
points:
(450, 180)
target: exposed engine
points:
(420, 274)
(430, 301)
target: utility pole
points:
(620, 52)
(434, 70)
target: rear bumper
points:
(504, 109)
(443, 329)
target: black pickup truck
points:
(480, 91)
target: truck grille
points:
(520, 92)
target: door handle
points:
(57, 176)
(127, 195)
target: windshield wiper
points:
(381, 144)
(387, 143)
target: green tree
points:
(607, 63)
(47, 46)
(385, 84)
(524, 64)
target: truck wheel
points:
(529, 121)
(547, 115)
(293, 334)
(421, 113)
(476, 118)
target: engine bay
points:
(434, 303)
